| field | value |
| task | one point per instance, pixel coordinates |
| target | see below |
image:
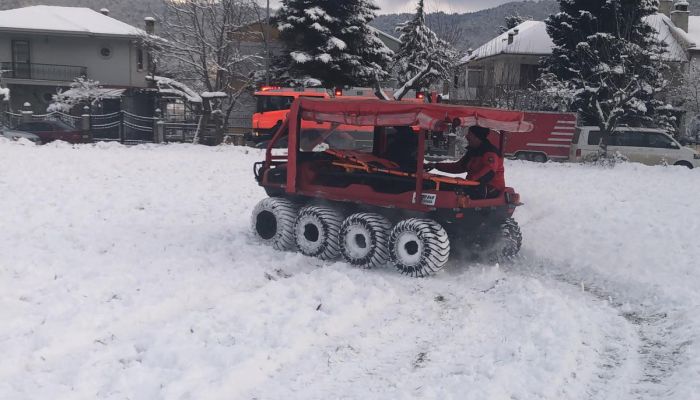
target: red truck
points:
(549, 140)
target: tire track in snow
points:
(435, 338)
(660, 349)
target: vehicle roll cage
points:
(379, 113)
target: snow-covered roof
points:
(386, 35)
(65, 20)
(171, 86)
(532, 38)
(694, 31)
(677, 41)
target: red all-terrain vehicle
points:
(372, 202)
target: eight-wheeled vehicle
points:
(371, 201)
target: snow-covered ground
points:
(131, 273)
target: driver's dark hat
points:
(479, 131)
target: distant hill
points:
(476, 28)
(465, 30)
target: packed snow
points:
(130, 272)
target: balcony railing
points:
(42, 72)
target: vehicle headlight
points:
(256, 133)
(696, 156)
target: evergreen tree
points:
(511, 22)
(611, 60)
(423, 58)
(331, 40)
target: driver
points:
(483, 163)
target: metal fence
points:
(123, 127)
(42, 72)
(106, 127)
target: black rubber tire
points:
(273, 222)
(419, 247)
(316, 232)
(507, 242)
(684, 164)
(539, 158)
(364, 240)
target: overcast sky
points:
(449, 6)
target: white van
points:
(643, 145)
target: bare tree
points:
(201, 44)
(686, 94)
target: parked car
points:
(52, 130)
(13, 134)
(643, 145)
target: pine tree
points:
(331, 40)
(423, 58)
(610, 58)
(511, 22)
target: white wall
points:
(119, 69)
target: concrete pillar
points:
(159, 128)
(27, 112)
(85, 123)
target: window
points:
(21, 60)
(528, 75)
(594, 138)
(660, 141)
(151, 62)
(456, 81)
(475, 78)
(577, 135)
(106, 52)
(139, 59)
(274, 103)
(318, 138)
(627, 139)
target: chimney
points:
(680, 15)
(104, 11)
(150, 25)
(665, 7)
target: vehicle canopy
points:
(375, 112)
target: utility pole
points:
(267, 47)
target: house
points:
(510, 61)
(44, 48)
